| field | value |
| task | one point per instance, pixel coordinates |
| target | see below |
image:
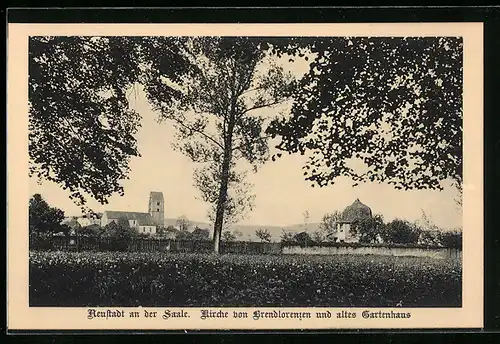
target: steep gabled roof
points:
(144, 219)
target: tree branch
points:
(251, 90)
(181, 123)
(264, 105)
(70, 126)
(92, 45)
(189, 52)
(253, 141)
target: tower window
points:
(158, 209)
(157, 203)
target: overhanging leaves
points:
(81, 126)
(390, 105)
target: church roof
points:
(156, 195)
(356, 211)
(144, 219)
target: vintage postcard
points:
(245, 176)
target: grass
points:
(82, 279)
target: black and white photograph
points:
(242, 171)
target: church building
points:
(156, 207)
(144, 223)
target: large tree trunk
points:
(217, 237)
(221, 203)
(224, 183)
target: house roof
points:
(156, 195)
(144, 219)
(355, 212)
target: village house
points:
(90, 219)
(84, 220)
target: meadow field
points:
(80, 279)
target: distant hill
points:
(248, 231)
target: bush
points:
(369, 229)
(286, 237)
(401, 232)
(119, 234)
(452, 239)
(41, 242)
(91, 231)
(302, 239)
(430, 238)
(200, 234)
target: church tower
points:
(157, 207)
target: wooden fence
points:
(150, 245)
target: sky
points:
(282, 194)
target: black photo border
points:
(490, 16)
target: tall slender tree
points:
(183, 224)
(82, 127)
(328, 224)
(263, 234)
(217, 118)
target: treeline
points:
(375, 230)
(45, 221)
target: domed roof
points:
(356, 211)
